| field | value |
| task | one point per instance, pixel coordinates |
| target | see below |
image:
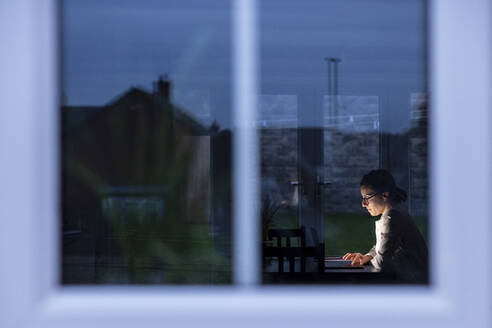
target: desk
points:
(365, 275)
(271, 265)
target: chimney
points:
(164, 88)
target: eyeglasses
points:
(366, 199)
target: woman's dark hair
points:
(381, 181)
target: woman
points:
(400, 248)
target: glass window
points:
(460, 164)
(146, 142)
(342, 129)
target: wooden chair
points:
(285, 247)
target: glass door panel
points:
(352, 138)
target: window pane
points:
(343, 93)
(146, 142)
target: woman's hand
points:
(357, 258)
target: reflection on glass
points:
(146, 143)
(343, 92)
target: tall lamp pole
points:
(333, 88)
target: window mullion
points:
(246, 250)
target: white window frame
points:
(461, 179)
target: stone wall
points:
(347, 157)
(418, 157)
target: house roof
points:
(76, 116)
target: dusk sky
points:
(110, 46)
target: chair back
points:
(290, 245)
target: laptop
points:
(337, 262)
